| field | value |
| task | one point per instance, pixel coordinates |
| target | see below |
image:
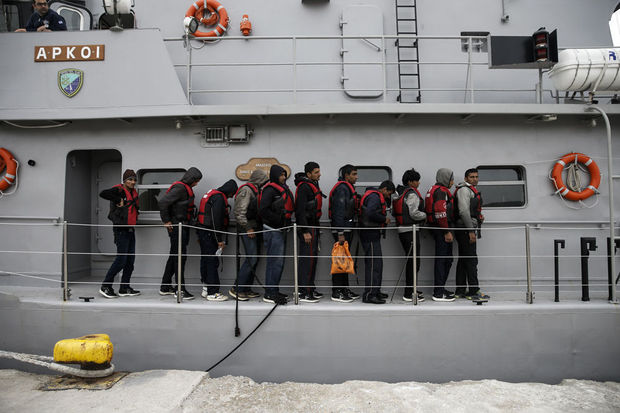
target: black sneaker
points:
(342, 297)
(446, 296)
(308, 298)
(185, 295)
(282, 295)
(167, 290)
(373, 300)
(274, 299)
(252, 294)
(317, 294)
(108, 292)
(128, 292)
(383, 296)
(352, 294)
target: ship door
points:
(87, 173)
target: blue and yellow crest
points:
(70, 81)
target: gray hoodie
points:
(444, 176)
(245, 208)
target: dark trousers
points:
(247, 272)
(275, 243)
(406, 240)
(209, 263)
(307, 262)
(443, 261)
(125, 249)
(373, 264)
(467, 264)
(172, 263)
(340, 281)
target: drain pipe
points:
(610, 174)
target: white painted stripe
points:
(7, 181)
(561, 162)
(589, 162)
(218, 34)
(10, 176)
(196, 7)
(223, 28)
(219, 7)
(592, 188)
(566, 191)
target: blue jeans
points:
(247, 272)
(443, 261)
(274, 244)
(172, 263)
(209, 263)
(125, 249)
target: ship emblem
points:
(70, 81)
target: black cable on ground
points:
(244, 340)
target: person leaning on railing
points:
(43, 19)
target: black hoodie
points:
(216, 211)
(305, 203)
(173, 205)
(271, 208)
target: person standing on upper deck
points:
(308, 211)
(43, 19)
(248, 222)
(409, 210)
(177, 206)
(373, 217)
(343, 209)
(439, 206)
(275, 208)
(468, 214)
(124, 210)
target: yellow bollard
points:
(93, 349)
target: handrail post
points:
(65, 267)
(179, 265)
(529, 297)
(415, 266)
(295, 273)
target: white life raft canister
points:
(579, 70)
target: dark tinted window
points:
(152, 183)
(502, 186)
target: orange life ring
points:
(197, 9)
(11, 169)
(595, 176)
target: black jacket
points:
(173, 205)
(271, 208)
(217, 212)
(372, 216)
(306, 205)
(343, 209)
(118, 215)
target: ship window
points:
(9, 18)
(371, 176)
(502, 186)
(153, 183)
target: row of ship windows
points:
(501, 186)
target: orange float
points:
(197, 11)
(595, 176)
(11, 169)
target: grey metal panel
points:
(362, 81)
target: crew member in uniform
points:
(275, 208)
(343, 210)
(213, 219)
(409, 210)
(373, 217)
(43, 19)
(177, 205)
(308, 206)
(439, 207)
(124, 210)
(468, 214)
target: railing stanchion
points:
(65, 266)
(179, 265)
(296, 274)
(528, 258)
(414, 247)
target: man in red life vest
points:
(177, 205)
(439, 207)
(213, 216)
(124, 212)
(468, 214)
(308, 210)
(409, 210)
(372, 218)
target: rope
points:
(45, 361)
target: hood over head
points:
(400, 189)
(229, 188)
(444, 176)
(300, 177)
(275, 172)
(259, 177)
(192, 175)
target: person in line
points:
(43, 19)
(468, 214)
(213, 216)
(408, 211)
(308, 211)
(439, 206)
(248, 223)
(124, 210)
(177, 206)
(374, 216)
(275, 208)
(343, 207)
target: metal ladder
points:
(408, 58)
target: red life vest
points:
(254, 189)
(287, 200)
(318, 198)
(190, 199)
(353, 204)
(252, 212)
(401, 211)
(475, 205)
(366, 222)
(205, 210)
(132, 204)
(431, 198)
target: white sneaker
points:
(216, 297)
(204, 293)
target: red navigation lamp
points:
(541, 45)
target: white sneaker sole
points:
(107, 296)
(445, 300)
